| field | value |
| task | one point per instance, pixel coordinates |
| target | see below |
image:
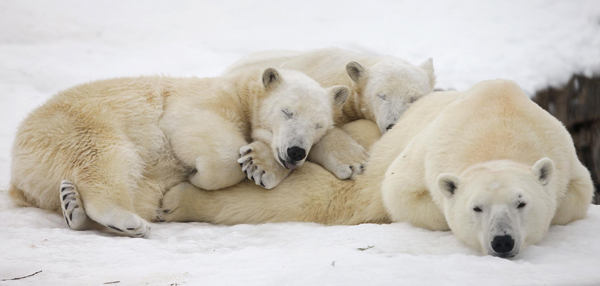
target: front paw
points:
(348, 164)
(260, 166)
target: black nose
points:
(503, 244)
(296, 153)
(390, 126)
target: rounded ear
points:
(427, 66)
(447, 184)
(356, 71)
(271, 78)
(340, 94)
(543, 170)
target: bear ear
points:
(447, 184)
(427, 66)
(271, 78)
(356, 71)
(543, 170)
(340, 94)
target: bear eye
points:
(477, 209)
(318, 126)
(381, 95)
(287, 113)
(521, 205)
(412, 99)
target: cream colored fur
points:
(123, 142)
(383, 89)
(490, 132)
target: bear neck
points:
(250, 90)
(351, 110)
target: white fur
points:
(120, 143)
(492, 141)
(400, 82)
(382, 92)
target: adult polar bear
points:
(383, 87)
(487, 163)
(123, 142)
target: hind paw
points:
(71, 206)
(129, 224)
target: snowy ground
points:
(47, 46)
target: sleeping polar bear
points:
(122, 142)
(383, 88)
(486, 163)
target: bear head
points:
(499, 206)
(294, 113)
(388, 88)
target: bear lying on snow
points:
(487, 163)
(383, 88)
(123, 142)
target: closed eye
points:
(477, 209)
(521, 205)
(318, 126)
(381, 95)
(412, 99)
(288, 113)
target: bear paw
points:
(129, 224)
(348, 163)
(71, 206)
(260, 166)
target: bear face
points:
(296, 113)
(499, 207)
(389, 88)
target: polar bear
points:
(486, 163)
(119, 143)
(383, 88)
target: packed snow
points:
(48, 46)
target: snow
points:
(48, 46)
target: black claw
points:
(64, 189)
(263, 185)
(166, 211)
(263, 172)
(241, 164)
(65, 196)
(115, 228)
(130, 228)
(252, 178)
(71, 216)
(351, 167)
(67, 205)
(69, 225)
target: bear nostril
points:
(296, 153)
(390, 126)
(503, 244)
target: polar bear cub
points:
(283, 112)
(383, 88)
(118, 144)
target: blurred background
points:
(550, 48)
